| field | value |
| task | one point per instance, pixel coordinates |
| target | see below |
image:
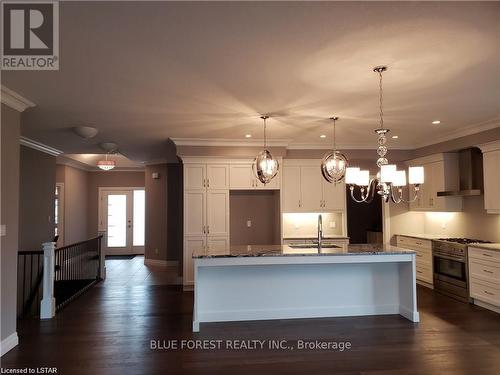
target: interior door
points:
(122, 217)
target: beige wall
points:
(75, 202)
(156, 213)
(9, 134)
(107, 179)
(36, 199)
(262, 208)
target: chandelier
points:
(264, 166)
(334, 163)
(106, 165)
(388, 178)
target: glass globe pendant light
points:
(265, 167)
(334, 163)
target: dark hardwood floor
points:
(108, 331)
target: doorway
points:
(364, 220)
(122, 220)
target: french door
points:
(121, 217)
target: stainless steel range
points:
(450, 266)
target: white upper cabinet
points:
(440, 174)
(194, 176)
(291, 188)
(217, 176)
(311, 188)
(491, 176)
(241, 177)
(305, 189)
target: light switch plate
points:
(249, 223)
(3, 230)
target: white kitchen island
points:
(239, 283)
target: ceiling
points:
(146, 72)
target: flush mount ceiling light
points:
(334, 163)
(322, 136)
(387, 177)
(86, 132)
(248, 135)
(395, 137)
(265, 167)
(436, 122)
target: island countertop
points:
(241, 251)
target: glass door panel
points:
(117, 220)
(138, 220)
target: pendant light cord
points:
(334, 137)
(381, 101)
(265, 139)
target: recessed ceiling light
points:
(395, 136)
(248, 135)
(436, 122)
(322, 136)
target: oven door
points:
(450, 276)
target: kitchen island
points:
(236, 283)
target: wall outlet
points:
(3, 230)
(155, 175)
(249, 223)
(333, 224)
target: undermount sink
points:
(314, 246)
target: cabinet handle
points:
(204, 230)
(487, 255)
(419, 255)
(488, 293)
(208, 182)
(204, 184)
(487, 271)
(419, 271)
(300, 203)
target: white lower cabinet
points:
(423, 250)
(484, 277)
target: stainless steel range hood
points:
(471, 174)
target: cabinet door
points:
(218, 242)
(333, 195)
(190, 244)
(194, 212)
(217, 176)
(274, 184)
(241, 176)
(194, 176)
(218, 213)
(291, 189)
(311, 188)
(491, 165)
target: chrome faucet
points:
(320, 231)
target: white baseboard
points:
(160, 262)
(9, 343)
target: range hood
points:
(471, 174)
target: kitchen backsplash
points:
(306, 224)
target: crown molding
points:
(24, 141)
(464, 132)
(63, 160)
(15, 101)
(229, 142)
(340, 147)
(490, 146)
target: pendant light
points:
(334, 163)
(388, 176)
(106, 165)
(265, 167)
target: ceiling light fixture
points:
(248, 135)
(106, 165)
(86, 132)
(322, 136)
(436, 122)
(334, 163)
(395, 136)
(388, 176)
(265, 167)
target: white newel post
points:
(102, 257)
(48, 304)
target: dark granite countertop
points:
(285, 250)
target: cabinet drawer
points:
(424, 273)
(423, 257)
(413, 243)
(489, 271)
(485, 291)
(488, 255)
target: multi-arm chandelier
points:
(334, 163)
(388, 176)
(265, 167)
